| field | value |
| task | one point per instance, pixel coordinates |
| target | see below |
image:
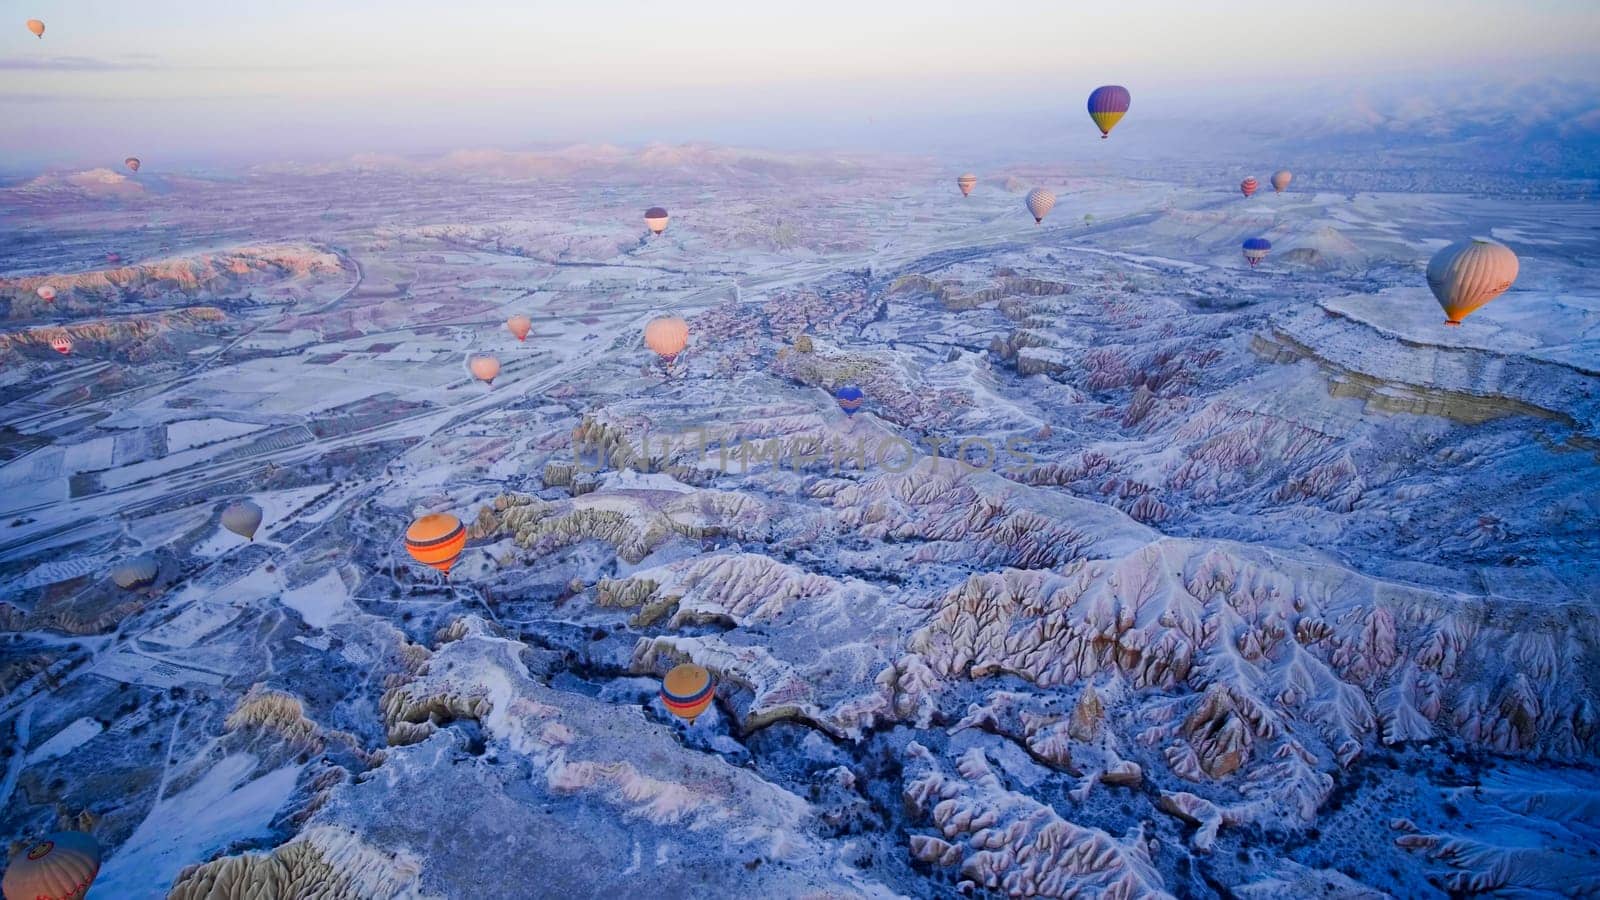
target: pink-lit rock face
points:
(1136, 573)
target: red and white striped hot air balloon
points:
(61, 344)
(1248, 186)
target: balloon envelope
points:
(60, 865)
(1468, 274)
(520, 326)
(1256, 249)
(1248, 186)
(655, 218)
(1107, 105)
(46, 293)
(1281, 179)
(61, 344)
(37, 27)
(242, 517)
(132, 163)
(436, 540)
(484, 368)
(849, 398)
(1040, 202)
(687, 691)
(137, 572)
(966, 183)
(667, 336)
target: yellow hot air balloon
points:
(1280, 180)
(687, 691)
(484, 368)
(655, 218)
(1468, 274)
(436, 540)
(132, 163)
(966, 183)
(61, 866)
(46, 293)
(520, 326)
(37, 27)
(667, 336)
(242, 517)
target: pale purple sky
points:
(194, 82)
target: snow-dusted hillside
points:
(1140, 573)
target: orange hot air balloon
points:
(966, 183)
(46, 293)
(436, 540)
(61, 344)
(687, 691)
(1468, 274)
(520, 326)
(37, 27)
(485, 368)
(1280, 180)
(61, 866)
(667, 336)
(655, 218)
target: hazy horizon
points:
(187, 85)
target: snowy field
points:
(1141, 572)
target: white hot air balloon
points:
(1040, 202)
(46, 293)
(1468, 274)
(242, 517)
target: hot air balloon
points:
(132, 163)
(1248, 186)
(1281, 179)
(484, 368)
(667, 336)
(137, 572)
(61, 866)
(655, 218)
(1256, 249)
(1040, 202)
(61, 344)
(687, 691)
(1468, 274)
(46, 293)
(114, 258)
(849, 398)
(436, 540)
(242, 517)
(37, 27)
(1107, 105)
(520, 326)
(967, 182)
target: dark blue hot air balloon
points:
(850, 399)
(1256, 249)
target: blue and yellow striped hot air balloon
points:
(849, 398)
(1107, 105)
(687, 691)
